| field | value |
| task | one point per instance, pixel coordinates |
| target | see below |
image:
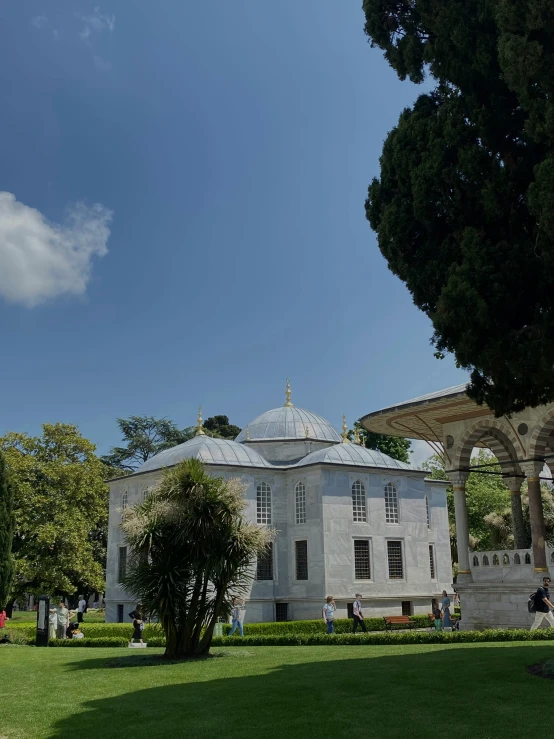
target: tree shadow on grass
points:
(472, 692)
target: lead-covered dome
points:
(287, 423)
(353, 455)
(208, 450)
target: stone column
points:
(462, 528)
(514, 486)
(532, 471)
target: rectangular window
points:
(396, 567)
(301, 560)
(407, 608)
(264, 568)
(428, 511)
(300, 503)
(122, 564)
(432, 562)
(120, 613)
(281, 611)
(391, 503)
(263, 504)
(362, 566)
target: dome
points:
(354, 456)
(290, 423)
(208, 450)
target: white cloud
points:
(101, 64)
(41, 260)
(97, 22)
(39, 21)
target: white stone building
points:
(347, 519)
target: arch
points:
(485, 561)
(506, 559)
(498, 437)
(527, 558)
(300, 502)
(263, 503)
(495, 560)
(517, 559)
(541, 435)
(476, 561)
(359, 506)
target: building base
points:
(503, 605)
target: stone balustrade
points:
(505, 564)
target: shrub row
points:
(98, 631)
(342, 626)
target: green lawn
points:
(478, 691)
(92, 616)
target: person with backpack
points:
(543, 606)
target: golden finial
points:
(199, 430)
(357, 439)
(307, 433)
(288, 404)
(345, 438)
(247, 435)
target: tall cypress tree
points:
(7, 568)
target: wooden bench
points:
(403, 621)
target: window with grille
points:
(391, 503)
(263, 503)
(359, 510)
(362, 565)
(432, 562)
(394, 553)
(407, 608)
(264, 568)
(301, 560)
(120, 613)
(122, 564)
(124, 503)
(428, 511)
(300, 502)
(281, 611)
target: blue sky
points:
(183, 215)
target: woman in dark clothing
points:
(138, 626)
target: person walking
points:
(138, 626)
(237, 615)
(52, 623)
(63, 619)
(81, 609)
(446, 619)
(329, 614)
(357, 614)
(543, 605)
(437, 616)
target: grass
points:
(471, 691)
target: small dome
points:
(289, 423)
(208, 450)
(353, 455)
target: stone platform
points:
(502, 605)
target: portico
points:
(493, 586)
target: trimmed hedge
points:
(342, 626)
(99, 631)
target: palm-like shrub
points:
(192, 547)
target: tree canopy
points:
(61, 511)
(219, 426)
(7, 568)
(394, 446)
(463, 208)
(192, 549)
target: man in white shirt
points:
(357, 613)
(81, 608)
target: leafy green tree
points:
(192, 549)
(219, 426)
(7, 568)
(394, 446)
(463, 208)
(145, 436)
(60, 506)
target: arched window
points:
(527, 558)
(263, 503)
(517, 559)
(391, 503)
(476, 561)
(428, 511)
(485, 561)
(359, 508)
(300, 502)
(505, 560)
(124, 502)
(495, 559)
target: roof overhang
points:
(423, 418)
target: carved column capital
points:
(458, 479)
(513, 484)
(533, 469)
